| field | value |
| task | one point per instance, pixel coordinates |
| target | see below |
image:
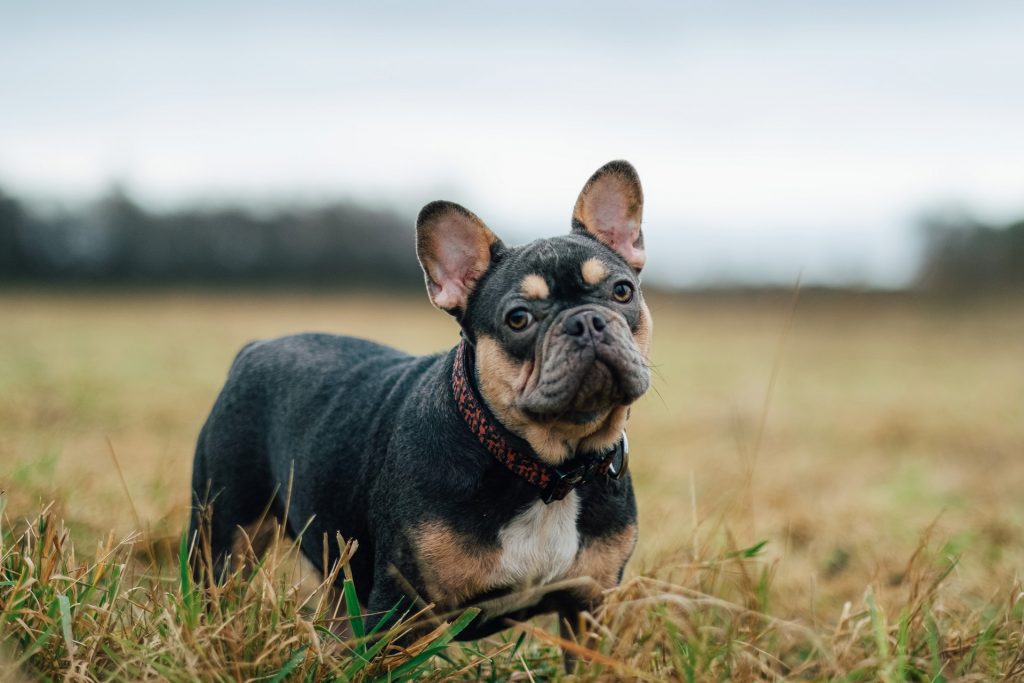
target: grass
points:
(860, 521)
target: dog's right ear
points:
(454, 248)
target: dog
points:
(492, 475)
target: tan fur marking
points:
(534, 287)
(454, 568)
(603, 559)
(501, 377)
(594, 271)
(502, 380)
(609, 433)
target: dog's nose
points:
(584, 325)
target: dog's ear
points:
(610, 207)
(454, 248)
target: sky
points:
(774, 139)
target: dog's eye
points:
(518, 318)
(622, 292)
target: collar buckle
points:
(566, 480)
(620, 458)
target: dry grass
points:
(883, 472)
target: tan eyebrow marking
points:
(594, 270)
(534, 287)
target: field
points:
(831, 490)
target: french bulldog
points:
(494, 474)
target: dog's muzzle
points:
(586, 363)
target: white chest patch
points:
(539, 544)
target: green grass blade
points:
(189, 599)
(750, 552)
(931, 633)
(355, 615)
(519, 643)
(290, 665)
(414, 664)
(459, 625)
(878, 625)
(412, 667)
(386, 618)
(184, 571)
(65, 622)
(364, 657)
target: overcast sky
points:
(771, 137)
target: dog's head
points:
(560, 326)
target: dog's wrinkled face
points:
(562, 313)
(560, 326)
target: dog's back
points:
(297, 411)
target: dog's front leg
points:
(386, 595)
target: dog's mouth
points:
(584, 394)
(579, 381)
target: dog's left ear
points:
(454, 248)
(610, 208)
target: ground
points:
(874, 442)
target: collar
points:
(515, 454)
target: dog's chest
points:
(539, 544)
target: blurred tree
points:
(964, 254)
(12, 222)
(114, 240)
(120, 223)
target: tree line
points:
(964, 254)
(114, 240)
